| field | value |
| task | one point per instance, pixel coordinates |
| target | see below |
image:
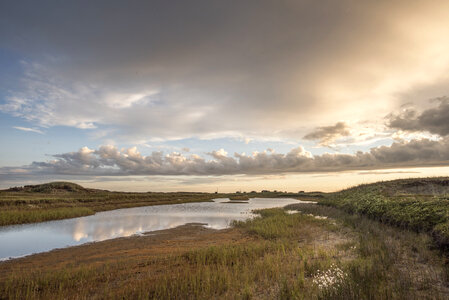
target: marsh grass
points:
(389, 263)
(282, 256)
(421, 205)
(59, 200)
(275, 223)
(267, 265)
(244, 197)
(15, 216)
(17, 207)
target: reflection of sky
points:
(19, 240)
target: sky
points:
(223, 95)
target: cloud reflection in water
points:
(25, 239)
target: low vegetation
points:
(421, 205)
(388, 262)
(19, 216)
(274, 256)
(61, 200)
(244, 197)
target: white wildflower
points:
(317, 217)
(329, 279)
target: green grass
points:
(60, 200)
(389, 263)
(8, 217)
(276, 224)
(240, 197)
(396, 203)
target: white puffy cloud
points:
(109, 160)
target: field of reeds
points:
(61, 200)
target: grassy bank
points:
(27, 206)
(421, 205)
(389, 262)
(16, 216)
(274, 256)
(60, 200)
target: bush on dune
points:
(393, 203)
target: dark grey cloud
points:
(434, 120)
(200, 60)
(108, 160)
(328, 134)
(176, 69)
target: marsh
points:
(19, 240)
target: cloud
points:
(434, 120)
(326, 135)
(159, 70)
(28, 129)
(109, 160)
(387, 172)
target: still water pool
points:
(20, 240)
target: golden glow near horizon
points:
(325, 182)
